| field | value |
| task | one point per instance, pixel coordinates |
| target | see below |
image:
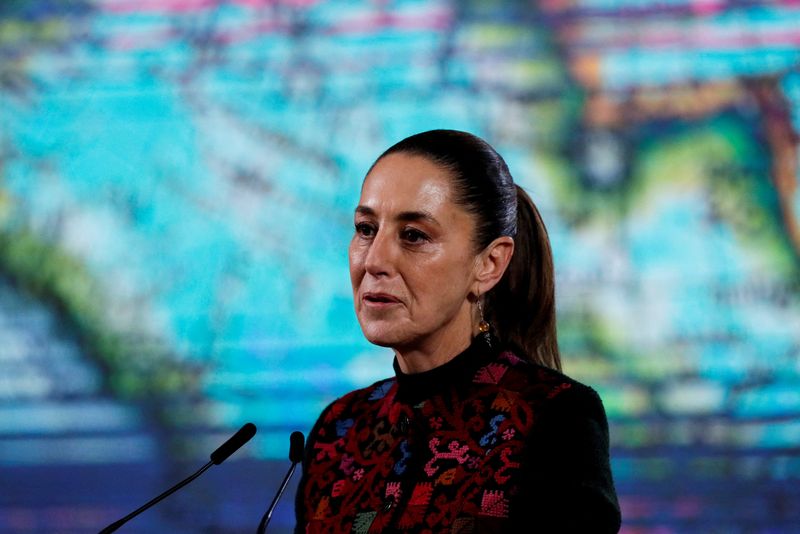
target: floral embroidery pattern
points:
(378, 464)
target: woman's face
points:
(412, 258)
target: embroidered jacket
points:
(486, 442)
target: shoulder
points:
(343, 410)
(547, 388)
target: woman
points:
(478, 431)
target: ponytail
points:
(522, 305)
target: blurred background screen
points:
(177, 180)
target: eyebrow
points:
(405, 216)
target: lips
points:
(380, 298)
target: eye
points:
(414, 236)
(365, 229)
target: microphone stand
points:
(233, 444)
(296, 453)
(262, 526)
(118, 523)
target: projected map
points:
(177, 180)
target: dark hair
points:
(521, 307)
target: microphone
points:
(241, 437)
(296, 453)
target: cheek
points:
(355, 259)
(440, 284)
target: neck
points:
(435, 349)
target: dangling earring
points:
(483, 326)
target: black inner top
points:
(415, 387)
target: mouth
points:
(379, 299)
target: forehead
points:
(404, 181)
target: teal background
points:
(177, 180)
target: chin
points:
(381, 339)
(382, 335)
(381, 342)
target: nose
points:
(380, 255)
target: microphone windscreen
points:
(241, 437)
(297, 443)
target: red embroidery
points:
(326, 450)
(457, 452)
(558, 389)
(338, 488)
(460, 478)
(335, 411)
(422, 494)
(494, 504)
(500, 475)
(393, 490)
(490, 373)
(511, 358)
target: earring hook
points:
(483, 326)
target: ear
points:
(491, 264)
